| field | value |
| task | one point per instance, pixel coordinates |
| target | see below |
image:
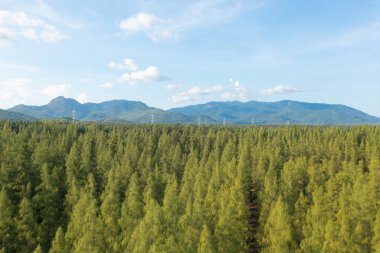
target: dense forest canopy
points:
(166, 188)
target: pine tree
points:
(314, 227)
(38, 249)
(232, 228)
(59, 243)
(244, 168)
(48, 205)
(278, 229)
(110, 212)
(206, 242)
(132, 210)
(150, 232)
(26, 226)
(84, 231)
(7, 236)
(376, 234)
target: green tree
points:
(7, 236)
(26, 226)
(278, 229)
(132, 210)
(59, 243)
(206, 242)
(376, 234)
(38, 249)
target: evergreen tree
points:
(59, 243)
(232, 228)
(376, 234)
(132, 210)
(206, 242)
(38, 249)
(26, 226)
(7, 236)
(278, 229)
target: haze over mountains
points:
(233, 112)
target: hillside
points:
(109, 111)
(9, 115)
(234, 112)
(281, 112)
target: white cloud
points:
(172, 87)
(139, 22)
(232, 91)
(280, 89)
(187, 17)
(53, 91)
(14, 91)
(194, 93)
(150, 74)
(224, 92)
(82, 98)
(107, 85)
(136, 75)
(127, 64)
(236, 91)
(149, 24)
(18, 24)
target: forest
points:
(77, 187)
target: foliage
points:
(117, 188)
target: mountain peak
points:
(62, 101)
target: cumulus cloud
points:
(128, 64)
(187, 17)
(107, 85)
(53, 91)
(82, 98)
(236, 91)
(14, 91)
(135, 75)
(149, 24)
(18, 24)
(224, 92)
(194, 93)
(280, 89)
(150, 74)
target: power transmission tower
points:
(152, 119)
(73, 114)
(199, 121)
(252, 122)
(224, 121)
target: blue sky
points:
(175, 53)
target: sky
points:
(175, 53)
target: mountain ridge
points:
(213, 112)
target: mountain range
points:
(232, 112)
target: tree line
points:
(170, 188)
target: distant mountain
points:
(265, 113)
(281, 112)
(8, 115)
(110, 111)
